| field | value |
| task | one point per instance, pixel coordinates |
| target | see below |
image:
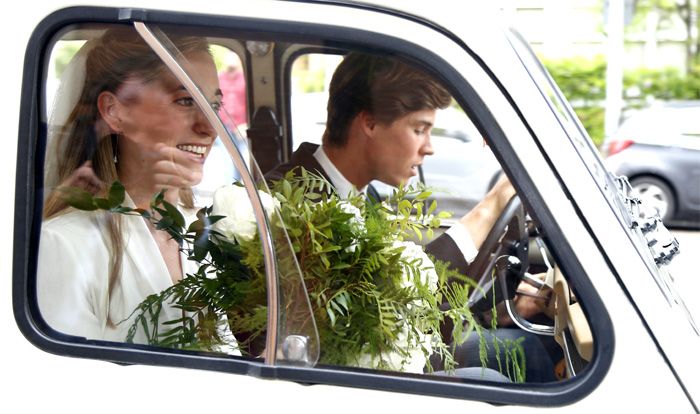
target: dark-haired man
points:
(380, 115)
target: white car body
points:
(651, 365)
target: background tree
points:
(669, 13)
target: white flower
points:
(352, 247)
(415, 359)
(239, 223)
(357, 220)
(357, 223)
(413, 362)
(414, 254)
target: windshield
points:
(616, 189)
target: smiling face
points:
(398, 148)
(161, 113)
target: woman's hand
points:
(84, 178)
(173, 168)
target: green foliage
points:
(308, 80)
(226, 282)
(582, 82)
(372, 303)
(374, 295)
(593, 119)
(665, 83)
(83, 200)
(64, 52)
(515, 362)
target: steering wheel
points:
(508, 236)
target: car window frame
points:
(30, 155)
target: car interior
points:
(285, 91)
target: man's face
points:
(397, 149)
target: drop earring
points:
(115, 145)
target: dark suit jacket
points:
(442, 248)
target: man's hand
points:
(501, 192)
(529, 303)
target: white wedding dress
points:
(72, 277)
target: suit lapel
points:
(373, 195)
(304, 157)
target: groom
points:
(380, 115)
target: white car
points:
(625, 336)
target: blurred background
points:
(629, 68)
(613, 55)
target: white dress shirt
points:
(343, 187)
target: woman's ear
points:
(110, 110)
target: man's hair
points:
(384, 87)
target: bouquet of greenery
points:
(375, 294)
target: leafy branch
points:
(375, 295)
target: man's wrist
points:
(463, 240)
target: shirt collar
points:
(342, 186)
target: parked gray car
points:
(658, 149)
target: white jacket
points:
(73, 273)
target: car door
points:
(267, 39)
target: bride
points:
(131, 121)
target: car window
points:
(232, 107)
(459, 171)
(463, 167)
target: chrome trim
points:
(525, 325)
(533, 281)
(260, 216)
(662, 245)
(567, 355)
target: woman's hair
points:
(386, 88)
(119, 54)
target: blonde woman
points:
(133, 121)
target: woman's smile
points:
(199, 150)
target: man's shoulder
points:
(303, 157)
